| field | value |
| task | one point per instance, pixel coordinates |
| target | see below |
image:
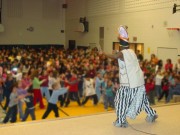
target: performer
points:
(131, 97)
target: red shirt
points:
(168, 66)
(165, 87)
(45, 83)
(149, 87)
(65, 83)
(92, 73)
(74, 86)
(26, 82)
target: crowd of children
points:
(28, 76)
(161, 80)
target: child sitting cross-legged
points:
(52, 103)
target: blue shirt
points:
(98, 83)
(176, 90)
(56, 93)
(21, 91)
(109, 91)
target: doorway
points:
(133, 46)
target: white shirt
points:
(25, 70)
(51, 82)
(134, 72)
(122, 73)
(18, 57)
(18, 76)
(89, 87)
(123, 32)
(158, 79)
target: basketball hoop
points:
(178, 29)
(172, 30)
(80, 28)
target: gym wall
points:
(147, 20)
(33, 22)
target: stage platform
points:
(100, 124)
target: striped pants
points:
(129, 102)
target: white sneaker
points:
(1, 121)
(151, 119)
(123, 125)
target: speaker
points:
(72, 44)
(86, 26)
(64, 6)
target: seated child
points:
(52, 103)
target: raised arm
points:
(118, 55)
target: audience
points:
(174, 90)
(168, 66)
(30, 109)
(52, 103)
(108, 95)
(150, 90)
(73, 89)
(12, 106)
(165, 88)
(158, 80)
(89, 90)
(87, 75)
(36, 89)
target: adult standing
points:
(131, 97)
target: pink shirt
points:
(26, 82)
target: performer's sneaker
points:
(124, 125)
(151, 119)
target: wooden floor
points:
(100, 124)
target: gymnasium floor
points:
(72, 110)
(94, 120)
